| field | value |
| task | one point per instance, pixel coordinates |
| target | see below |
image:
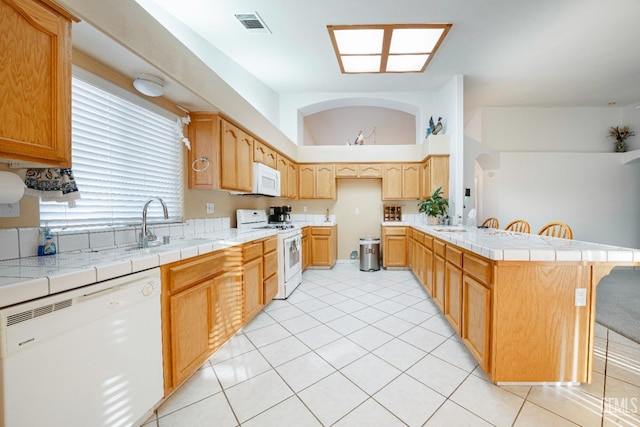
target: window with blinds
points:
(122, 155)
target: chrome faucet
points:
(147, 236)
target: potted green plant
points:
(434, 206)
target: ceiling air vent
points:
(253, 23)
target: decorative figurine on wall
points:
(434, 129)
(360, 138)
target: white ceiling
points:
(511, 52)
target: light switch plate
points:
(210, 208)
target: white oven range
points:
(289, 248)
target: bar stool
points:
(519, 225)
(557, 229)
(491, 223)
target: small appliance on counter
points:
(392, 213)
(280, 214)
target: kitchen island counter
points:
(523, 304)
(502, 245)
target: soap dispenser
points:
(47, 245)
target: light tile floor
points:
(350, 348)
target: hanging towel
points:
(52, 185)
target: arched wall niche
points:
(338, 121)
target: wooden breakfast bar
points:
(523, 304)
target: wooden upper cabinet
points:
(35, 82)
(236, 158)
(325, 181)
(264, 154)
(282, 165)
(288, 177)
(365, 170)
(392, 182)
(307, 179)
(204, 163)
(292, 178)
(317, 181)
(346, 170)
(435, 173)
(370, 171)
(400, 181)
(410, 181)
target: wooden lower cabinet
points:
(517, 318)
(476, 319)
(306, 247)
(190, 320)
(421, 258)
(428, 265)
(202, 307)
(395, 247)
(270, 269)
(323, 246)
(453, 296)
(438, 281)
(253, 288)
(226, 308)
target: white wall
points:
(549, 129)
(259, 95)
(565, 170)
(451, 100)
(594, 193)
(631, 117)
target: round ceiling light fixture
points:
(148, 84)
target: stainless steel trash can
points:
(369, 254)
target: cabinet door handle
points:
(200, 159)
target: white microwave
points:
(266, 181)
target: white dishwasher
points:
(87, 357)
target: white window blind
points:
(122, 155)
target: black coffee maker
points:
(280, 214)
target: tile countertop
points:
(23, 279)
(501, 245)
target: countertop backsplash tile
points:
(28, 241)
(72, 241)
(23, 242)
(10, 247)
(102, 239)
(126, 236)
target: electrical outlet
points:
(581, 297)
(304, 209)
(356, 211)
(210, 208)
(10, 210)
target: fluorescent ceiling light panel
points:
(359, 42)
(414, 40)
(406, 63)
(361, 63)
(401, 48)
